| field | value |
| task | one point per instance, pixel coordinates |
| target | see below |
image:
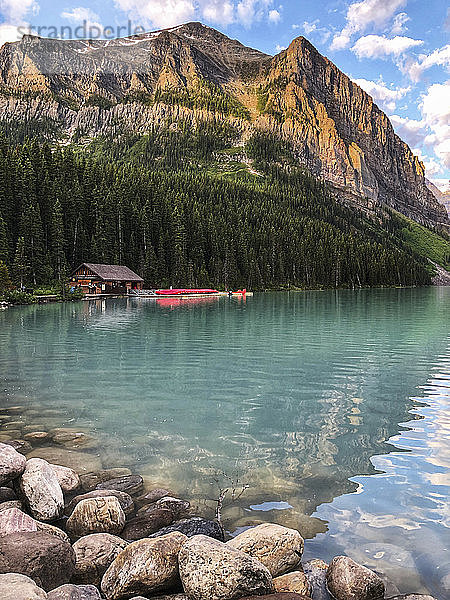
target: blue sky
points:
(397, 50)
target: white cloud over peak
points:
(410, 130)
(379, 46)
(361, 15)
(167, 13)
(384, 96)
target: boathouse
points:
(105, 279)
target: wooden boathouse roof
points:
(110, 272)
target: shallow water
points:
(333, 407)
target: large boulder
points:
(80, 462)
(90, 480)
(144, 567)
(147, 524)
(70, 591)
(68, 479)
(347, 580)
(93, 555)
(125, 500)
(40, 488)
(12, 463)
(96, 515)
(212, 570)
(278, 548)
(48, 560)
(131, 484)
(11, 504)
(193, 526)
(293, 582)
(14, 586)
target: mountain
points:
(193, 74)
(441, 197)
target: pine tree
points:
(57, 243)
(5, 281)
(4, 253)
(20, 268)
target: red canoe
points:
(183, 292)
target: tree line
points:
(147, 204)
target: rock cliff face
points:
(191, 72)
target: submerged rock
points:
(96, 515)
(14, 586)
(36, 437)
(177, 506)
(93, 555)
(21, 446)
(72, 438)
(12, 463)
(144, 567)
(48, 560)
(151, 497)
(316, 573)
(194, 526)
(147, 524)
(41, 490)
(212, 570)
(293, 582)
(67, 478)
(69, 591)
(347, 580)
(89, 481)
(125, 500)
(278, 548)
(130, 484)
(80, 462)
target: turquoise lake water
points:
(333, 407)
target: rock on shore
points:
(94, 554)
(12, 463)
(144, 567)
(96, 515)
(347, 580)
(212, 570)
(40, 488)
(278, 548)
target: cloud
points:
(432, 131)
(409, 130)
(274, 16)
(15, 11)
(279, 48)
(442, 184)
(385, 97)
(379, 46)
(361, 15)
(440, 57)
(168, 13)
(310, 26)
(399, 25)
(435, 109)
(83, 15)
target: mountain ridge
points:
(195, 73)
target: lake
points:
(332, 407)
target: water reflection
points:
(298, 392)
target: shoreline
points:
(117, 503)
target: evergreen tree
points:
(20, 268)
(5, 281)
(4, 253)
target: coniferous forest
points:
(159, 204)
